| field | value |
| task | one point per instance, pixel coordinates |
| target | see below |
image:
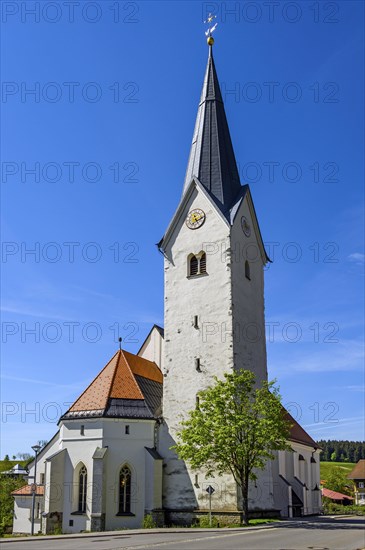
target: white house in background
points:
(110, 464)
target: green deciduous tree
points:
(236, 428)
(337, 481)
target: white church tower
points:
(214, 297)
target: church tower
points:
(214, 294)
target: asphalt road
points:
(316, 534)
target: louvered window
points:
(194, 266)
(247, 270)
(203, 263)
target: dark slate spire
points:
(212, 158)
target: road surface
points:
(309, 534)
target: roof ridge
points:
(92, 382)
(121, 354)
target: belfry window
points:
(82, 490)
(197, 264)
(247, 270)
(203, 263)
(194, 266)
(125, 479)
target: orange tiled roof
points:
(117, 381)
(359, 470)
(26, 490)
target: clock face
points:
(195, 218)
(245, 226)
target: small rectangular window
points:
(127, 429)
(197, 364)
(71, 523)
(41, 481)
(196, 480)
(361, 484)
(197, 401)
(196, 321)
(82, 430)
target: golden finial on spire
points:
(211, 29)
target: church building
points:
(110, 464)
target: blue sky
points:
(107, 132)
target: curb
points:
(128, 532)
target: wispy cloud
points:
(357, 258)
(344, 355)
(73, 386)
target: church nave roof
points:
(128, 386)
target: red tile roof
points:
(359, 470)
(298, 434)
(333, 495)
(26, 490)
(117, 380)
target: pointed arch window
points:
(247, 270)
(82, 490)
(125, 484)
(197, 264)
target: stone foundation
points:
(97, 522)
(183, 518)
(52, 522)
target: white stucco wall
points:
(249, 341)
(22, 521)
(220, 299)
(153, 348)
(208, 297)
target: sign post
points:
(210, 490)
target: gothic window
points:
(125, 477)
(197, 265)
(82, 490)
(247, 270)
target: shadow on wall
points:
(178, 495)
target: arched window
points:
(197, 265)
(125, 478)
(247, 270)
(203, 263)
(82, 490)
(193, 266)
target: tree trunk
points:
(244, 489)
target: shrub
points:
(148, 522)
(204, 522)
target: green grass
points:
(326, 467)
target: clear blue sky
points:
(121, 89)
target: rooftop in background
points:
(333, 495)
(26, 491)
(359, 471)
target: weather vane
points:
(210, 29)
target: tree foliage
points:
(7, 485)
(236, 428)
(341, 451)
(337, 480)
